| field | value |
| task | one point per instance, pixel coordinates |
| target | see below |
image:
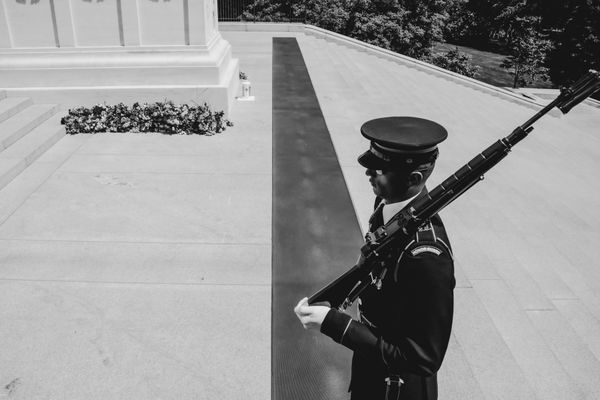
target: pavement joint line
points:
(132, 242)
(463, 286)
(566, 299)
(186, 155)
(486, 279)
(136, 283)
(190, 155)
(163, 173)
(162, 155)
(539, 309)
(563, 298)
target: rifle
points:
(369, 269)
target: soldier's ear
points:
(415, 178)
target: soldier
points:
(403, 326)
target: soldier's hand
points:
(311, 317)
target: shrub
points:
(163, 117)
(454, 61)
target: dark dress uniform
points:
(404, 325)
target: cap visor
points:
(371, 161)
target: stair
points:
(27, 131)
(12, 105)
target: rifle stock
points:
(344, 290)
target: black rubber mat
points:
(316, 235)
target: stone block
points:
(493, 364)
(183, 208)
(573, 354)
(100, 341)
(536, 359)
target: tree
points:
(572, 26)
(459, 24)
(267, 11)
(526, 45)
(332, 15)
(526, 61)
(577, 42)
(408, 27)
(473, 22)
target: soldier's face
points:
(389, 185)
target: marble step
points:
(30, 147)
(12, 105)
(17, 126)
(546, 373)
(349, 63)
(365, 66)
(388, 81)
(320, 52)
(492, 366)
(27, 182)
(380, 82)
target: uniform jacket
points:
(404, 327)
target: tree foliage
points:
(405, 26)
(267, 11)
(333, 15)
(472, 22)
(455, 61)
(560, 38)
(576, 42)
(409, 27)
(526, 61)
(526, 45)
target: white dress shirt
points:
(389, 210)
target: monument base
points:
(86, 76)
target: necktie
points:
(376, 219)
